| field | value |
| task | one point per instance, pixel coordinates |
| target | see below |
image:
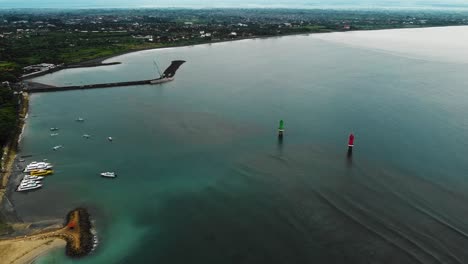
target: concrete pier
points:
(33, 87)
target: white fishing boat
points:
(79, 119)
(34, 178)
(110, 138)
(108, 174)
(86, 136)
(57, 147)
(30, 168)
(28, 188)
(54, 134)
(25, 182)
(38, 165)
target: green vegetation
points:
(8, 114)
(30, 37)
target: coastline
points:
(26, 251)
(43, 250)
(75, 236)
(98, 62)
(11, 148)
(101, 60)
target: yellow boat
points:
(41, 172)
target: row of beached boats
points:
(37, 171)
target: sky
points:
(371, 4)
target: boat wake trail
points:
(366, 212)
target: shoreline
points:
(4, 188)
(75, 236)
(28, 251)
(99, 62)
(11, 149)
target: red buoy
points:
(351, 140)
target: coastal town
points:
(33, 41)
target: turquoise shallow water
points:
(203, 179)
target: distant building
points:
(147, 37)
(6, 85)
(39, 67)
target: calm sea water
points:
(202, 177)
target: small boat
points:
(28, 188)
(38, 165)
(110, 138)
(39, 162)
(95, 242)
(24, 180)
(31, 177)
(79, 119)
(30, 168)
(54, 129)
(26, 184)
(41, 172)
(43, 164)
(57, 147)
(54, 134)
(21, 160)
(108, 174)
(29, 182)
(86, 136)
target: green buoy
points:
(281, 129)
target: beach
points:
(25, 251)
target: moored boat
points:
(28, 187)
(37, 167)
(41, 172)
(30, 177)
(57, 147)
(108, 174)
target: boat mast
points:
(157, 68)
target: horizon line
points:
(253, 7)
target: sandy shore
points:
(76, 236)
(11, 149)
(26, 250)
